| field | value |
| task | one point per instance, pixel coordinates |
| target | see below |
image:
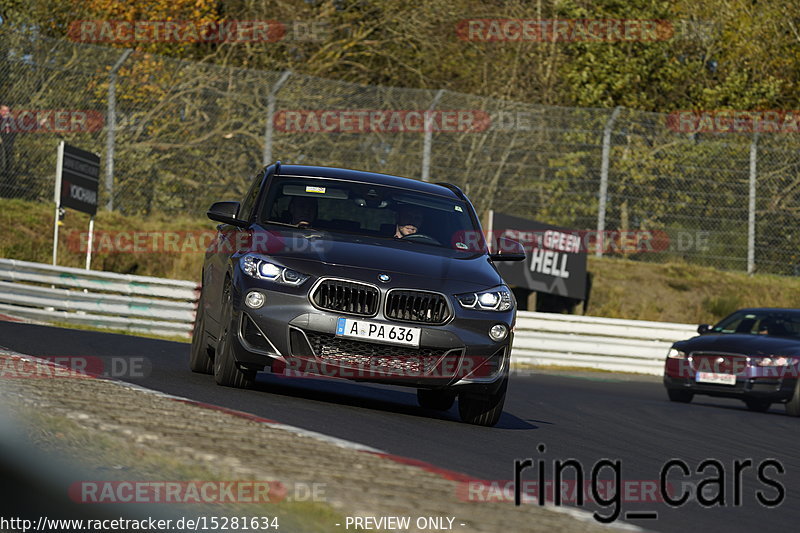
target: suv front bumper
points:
(290, 335)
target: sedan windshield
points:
(372, 210)
(774, 323)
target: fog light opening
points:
(498, 332)
(254, 299)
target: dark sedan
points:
(361, 276)
(752, 355)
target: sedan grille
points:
(346, 297)
(383, 358)
(417, 306)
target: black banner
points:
(556, 257)
(80, 173)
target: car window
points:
(249, 200)
(773, 323)
(370, 210)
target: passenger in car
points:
(772, 327)
(409, 220)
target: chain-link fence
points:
(188, 134)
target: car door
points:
(227, 241)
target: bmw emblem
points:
(384, 278)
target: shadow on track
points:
(373, 397)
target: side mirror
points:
(226, 212)
(508, 250)
(702, 329)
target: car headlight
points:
(258, 267)
(674, 353)
(775, 360)
(491, 300)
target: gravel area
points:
(121, 428)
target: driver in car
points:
(409, 220)
(303, 211)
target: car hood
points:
(740, 343)
(322, 253)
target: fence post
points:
(751, 208)
(426, 148)
(112, 127)
(601, 209)
(269, 127)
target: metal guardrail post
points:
(751, 208)
(270, 126)
(602, 200)
(112, 127)
(426, 149)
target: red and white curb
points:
(450, 475)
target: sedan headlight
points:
(775, 360)
(492, 300)
(674, 353)
(258, 267)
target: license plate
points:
(363, 329)
(715, 377)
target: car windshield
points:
(371, 210)
(773, 323)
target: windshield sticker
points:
(461, 246)
(458, 208)
(312, 188)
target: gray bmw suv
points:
(331, 272)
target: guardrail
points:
(595, 342)
(167, 307)
(50, 293)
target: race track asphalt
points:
(588, 418)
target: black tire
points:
(680, 396)
(482, 409)
(437, 400)
(793, 405)
(758, 405)
(200, 355)
(226, 372)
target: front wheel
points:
(482, 409)
(200, 355)
(437, 400)
(759, 406)
(226, 372)
(793, 405)
(680, 396)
